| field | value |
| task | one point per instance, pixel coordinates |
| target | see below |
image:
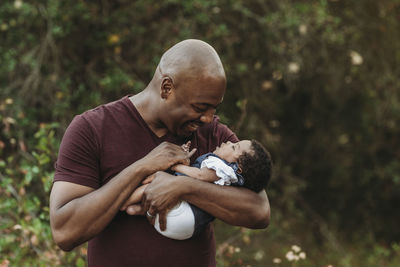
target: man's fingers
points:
(162, 220)
(145, 206)
(148, 179)
(191, 153)
(151, 215)
(186, 161)
(126, 204)
(135, 209)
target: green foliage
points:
(316, 81)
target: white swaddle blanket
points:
(180, 219)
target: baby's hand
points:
(186, 147)
(175, 167)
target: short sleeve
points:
(78, 159)
(226, 174)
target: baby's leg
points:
(180, 222)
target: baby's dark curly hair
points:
(256, 167)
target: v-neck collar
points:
(170, 137)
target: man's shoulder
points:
(118, 110)
(106, 108)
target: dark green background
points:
(316, 81)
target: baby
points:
(245, 163)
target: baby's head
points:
(253, 160)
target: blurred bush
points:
(316, 81)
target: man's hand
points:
(160, 195)
(163, 156)
(133, 205)
(167, 154)
(78, 213)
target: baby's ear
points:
(239, 170)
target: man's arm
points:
(78, 213)
(233, 205)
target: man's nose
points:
(207, 116)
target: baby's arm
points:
(136, 197)
(203, 174)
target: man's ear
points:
(166, 87)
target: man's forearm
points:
(233, 205)
(80, 219)
(78, 213)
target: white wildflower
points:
(293, 67)
(303, 29)
(216, 10)
(4, 27)
(296, 248)
(266, 85)
(277, 260)
(9, 120)
(17, 227)
(290, 256)
(356, 58)
(18, 4)
(343, 139)
(259, 255)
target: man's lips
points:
(192, 126)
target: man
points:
(107, 152)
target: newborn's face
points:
(231, 151)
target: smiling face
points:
(193, 103)
(192, 84)
(232, 151)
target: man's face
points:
(193, 103)
(232, 151)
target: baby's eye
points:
(233, 147)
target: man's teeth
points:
(193, 125)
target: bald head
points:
(191, 59)
(186, 89)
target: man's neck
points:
(148, 109)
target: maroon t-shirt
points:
(99, 144)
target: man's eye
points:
(197, 109)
